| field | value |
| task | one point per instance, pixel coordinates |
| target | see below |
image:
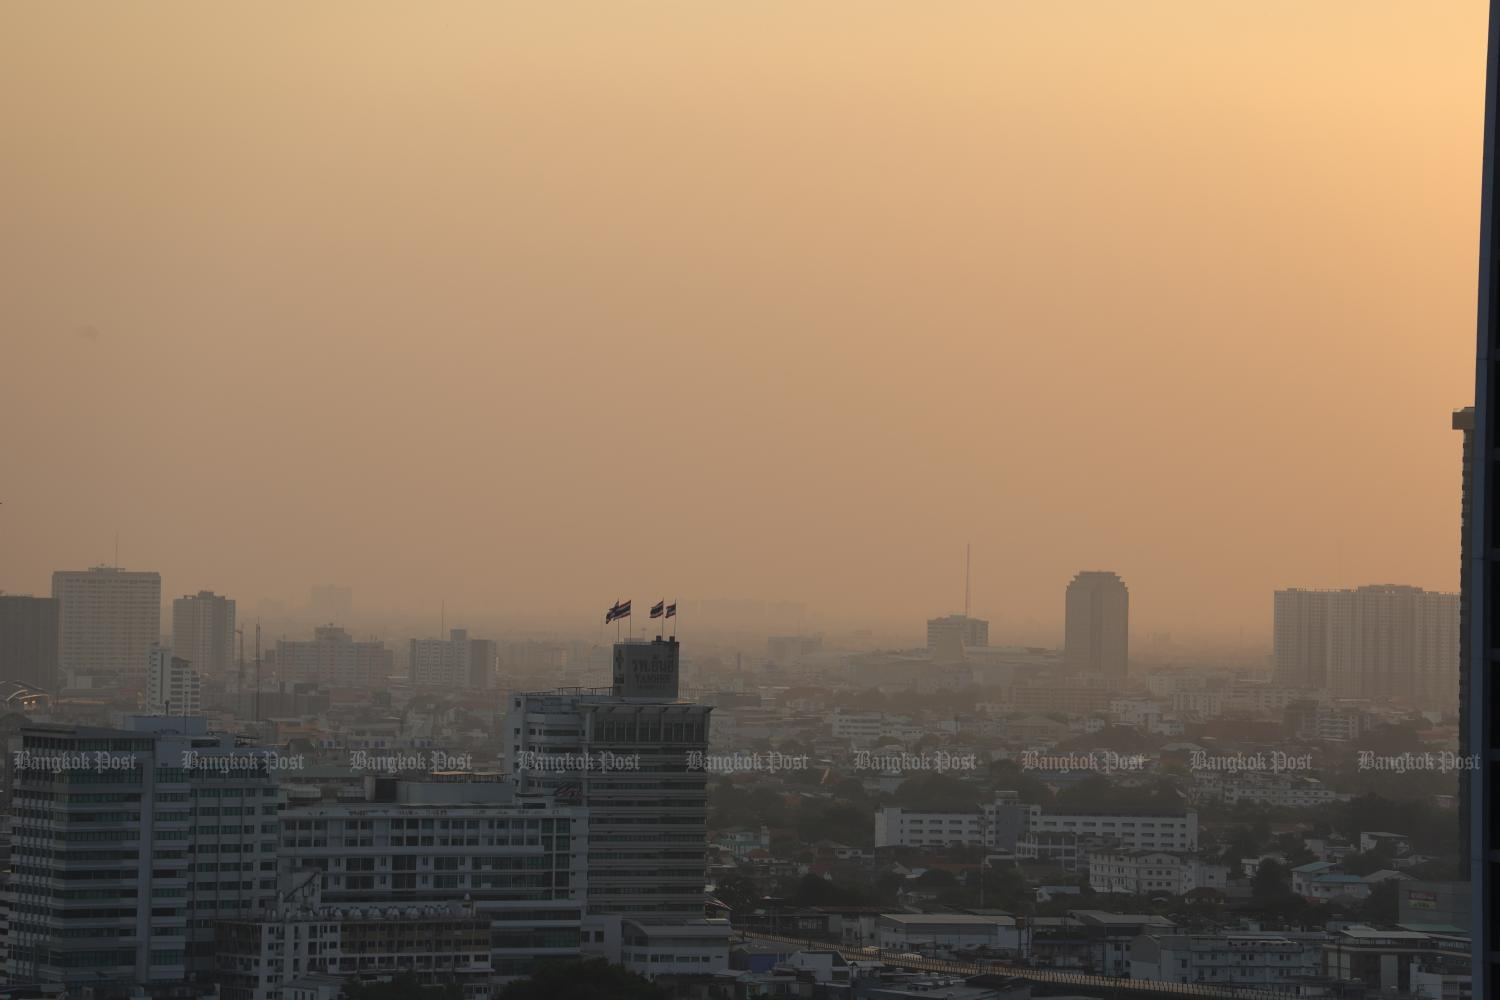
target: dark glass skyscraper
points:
(1484, 567)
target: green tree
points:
(401, 987)
(938, 792)
(591, 979)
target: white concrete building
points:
(857, 727)
(898, 827)
(1144, 872)
(942, 934)
(173, 687)
(520, 861)
(1165, 830)
(305, 941)
(1273, 960)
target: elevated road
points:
(1119, 987)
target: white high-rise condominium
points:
(107, 619)
(1378, 642)
(203, 633)
(172, 685)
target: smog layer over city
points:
(706, 501)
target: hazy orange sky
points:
(532, 306)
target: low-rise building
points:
(1145, 872)
(943, 934)
(1273, 961)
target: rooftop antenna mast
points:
(966, 579)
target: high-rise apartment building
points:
(970, 633)
(1377, 642)
(126, 846)
(1300, 643)
(455, 662)
(28, 640)
(203, 633)
(173, 686)
(108, 617)
(1096, 634)
(333, 658)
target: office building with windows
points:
(126, 844)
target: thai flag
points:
(656, 609)
(620, 610)
(672, 610)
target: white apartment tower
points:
(173, 687)
(107, 619)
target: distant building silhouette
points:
(969, 633)
(331, 603)
(332, 658)
(454, 662)
(203, 633)
(28, 640)
(1384, 641)
(108, 618)
(1096, 634)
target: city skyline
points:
(837, 348)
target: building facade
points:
(28, 640)
(107, 619)
(1097, 624)
(1380, 642)
(455, 662)
(333, 658)
(173, 687)
(203, 633)
(959, 630)
(126, 845)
